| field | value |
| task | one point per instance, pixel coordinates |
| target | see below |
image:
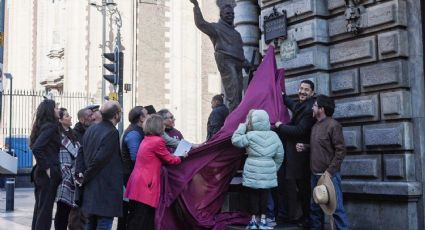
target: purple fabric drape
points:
(193, 192)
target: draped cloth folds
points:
(193, 192)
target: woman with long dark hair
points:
(67, 154)
(45, 144)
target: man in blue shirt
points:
(131, 140)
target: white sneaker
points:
(263, 225)
(271, 222)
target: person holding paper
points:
(144, 186)
(170, 129)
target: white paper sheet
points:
(183, 148)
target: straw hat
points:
(324, 194)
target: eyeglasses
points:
(315, 105)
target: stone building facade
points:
(376, 77)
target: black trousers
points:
(123, 221)
(143, 217)
(77, 220)
(62, 215)
(258, 200)
(45, 188)
(292, 194)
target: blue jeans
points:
(270, 206)
(99, 223)
(317, 216)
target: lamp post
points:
(10, 182)
(118, 22)
(108, 6)
(102, 8)
(9, 76)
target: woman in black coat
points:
(45, 144)
(218, 115)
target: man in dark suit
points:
(103, 173)
(294, 176)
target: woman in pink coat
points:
(143, 187)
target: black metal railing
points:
(16, 118)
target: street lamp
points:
(10, 182)
(9, 76)
(110, 7)
(110, 4)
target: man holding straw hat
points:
(327, 151)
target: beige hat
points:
(324, 194)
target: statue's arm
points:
(203, 25)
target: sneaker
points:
(271, 222)
(263, 225)
(252, 225)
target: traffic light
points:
(116, 68)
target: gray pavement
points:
(21, 217)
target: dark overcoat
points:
(297, 164)
(103, 176)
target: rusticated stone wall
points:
(377, 80)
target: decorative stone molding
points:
(370, 165)
(386, 75)
(388, 136)
(344, 82)
(353, 138)
(357, 109)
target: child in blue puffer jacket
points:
(265, 156)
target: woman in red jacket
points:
(143, 187)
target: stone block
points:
(340, 4)
(312, 58)
(374, 18)
(320, 80)
(305, 33)
(396, 105)
(388, 136)
(353, 52)
(382, 188)
(357, 109)
(353, 138)
(361, 167)
(393, 44)
(295, 9)
(392, 12)
(337, 26)
(399, 167)
(386, 75)
(265, 3)
(345, 82)
(367, 213)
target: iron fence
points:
(16, 118)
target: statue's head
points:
(227, 14)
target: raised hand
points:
(300, 147)
(194, 2)
(277, 124)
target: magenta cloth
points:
(193, 192)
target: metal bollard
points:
(10, 194)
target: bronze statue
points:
(229, 54)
